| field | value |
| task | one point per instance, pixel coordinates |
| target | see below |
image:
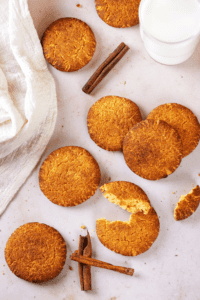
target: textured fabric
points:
(28, 104)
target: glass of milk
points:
(170, 29)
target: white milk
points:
(170, 29)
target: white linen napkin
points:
(28, 103)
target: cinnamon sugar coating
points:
(118, 13)
(69, 176)
(187, 204)
(152, 149)
(68, 44)
(183, 120)
(35, 252)
(131, 237)
(110, 119)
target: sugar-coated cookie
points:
(183, 120)
(109, 120)
(69, 176)
(118, 13)
(68, 44)
(35, 252)
(152, 149)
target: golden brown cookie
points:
(183, 120)
(132, 237)
(127, 195)
(187, 204)
(68, 44)
(118, 13)
(109, 120)
(152, 149)
(69, 176)
(35, 252)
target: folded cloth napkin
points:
(28, 104)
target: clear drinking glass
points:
(169, 53)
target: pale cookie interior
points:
(127, 195)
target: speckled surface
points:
(170, 269)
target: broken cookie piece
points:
(127, 195)
(131, 237)
(187, 204)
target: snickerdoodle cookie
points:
(118, 13)
(187, 204)
(35, 252)
(152, 149)
(183, 120)
(109, 120)
(69, 176)
(131, 237)
(68, 44)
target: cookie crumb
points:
(78, 5)
(70, 268)
(83, 227)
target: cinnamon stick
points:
(101, 264)
(85, 249)
(87, 252)
(80, 265)
(105, 68)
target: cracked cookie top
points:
(69, 176)
(68, 44)
(109, 120)
(35, 252)
(118, 13)
(152, 149)
(183, 120)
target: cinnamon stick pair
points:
(85, 261)
(105, 68)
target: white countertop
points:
(170, 269)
